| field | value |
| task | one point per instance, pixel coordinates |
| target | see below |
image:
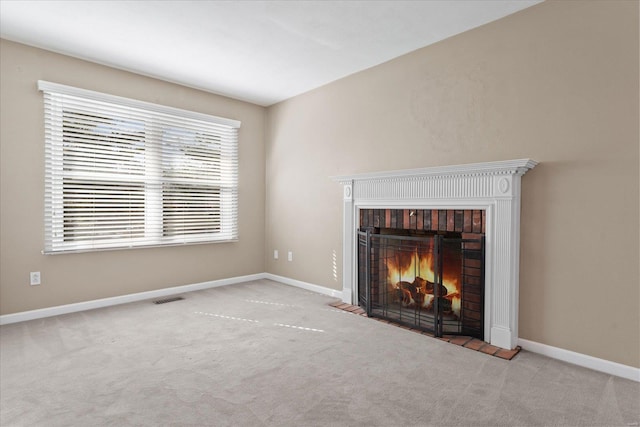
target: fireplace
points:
(492, 188)
(423, 269)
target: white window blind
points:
(122, 173)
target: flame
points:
(416, 267)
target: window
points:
(122, 173)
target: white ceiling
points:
(257, 51)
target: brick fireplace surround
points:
(492, 187)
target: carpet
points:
(266, 354)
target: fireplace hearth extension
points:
(492, 187)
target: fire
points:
(412, 278)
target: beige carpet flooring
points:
(266, 354)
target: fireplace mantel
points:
(492, 186)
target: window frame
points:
(157, 122)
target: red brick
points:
(489, 349)
(442, 220)
(364, 218)
(451, 221)
(459, 221)
(507, 354)
(419, 219)
(475, 344)
(484, 220)
(473, 263)
(471, 315)
(467, 221)
(427, 219)
(460, 340)
(476, 221)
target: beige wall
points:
(80, 277)
(557, 83)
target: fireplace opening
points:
(428, 277)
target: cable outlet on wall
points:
(34, 278)
(275, 254)
(290, 256)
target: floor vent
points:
(166, 300)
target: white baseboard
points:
(304, 285)
(601, 365)
(122, 299)
(579, 359)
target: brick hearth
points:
(463, 341)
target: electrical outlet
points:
(275, 254)
(290, 256)
(34, 278)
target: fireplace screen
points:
(433, 282)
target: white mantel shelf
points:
(492, 186)
(491, 168)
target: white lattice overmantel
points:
(492, 186)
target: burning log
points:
(452, 295)
(415, 294)
(405, 285)
(407, 299)
(444, 304)
(428, 286)
(420, 283)
(401, 289)
(406, 293)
